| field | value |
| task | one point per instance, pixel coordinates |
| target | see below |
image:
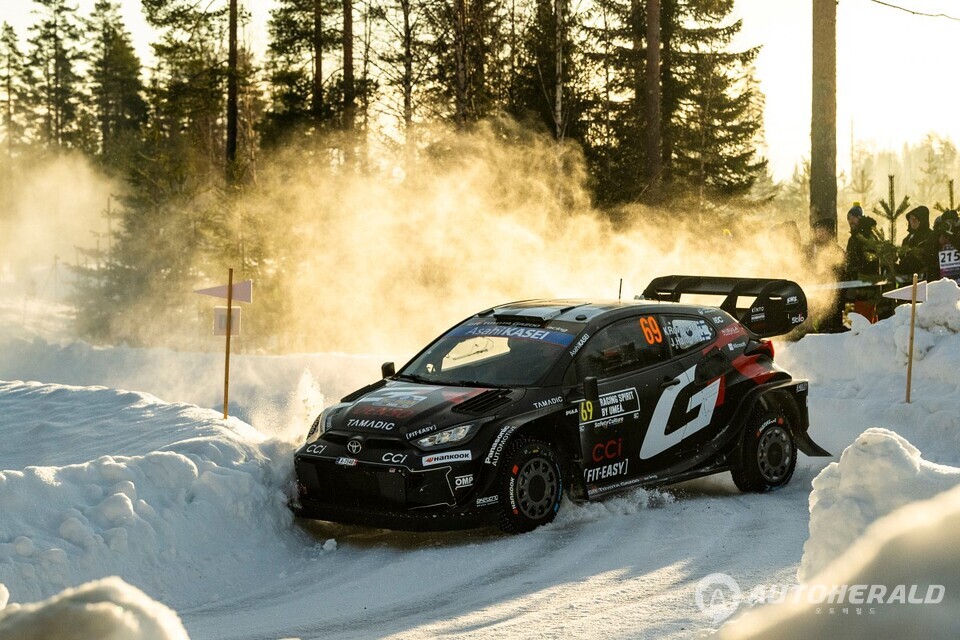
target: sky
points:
(115, 463)
(893, 68)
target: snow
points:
(116, 461)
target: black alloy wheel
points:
(768, 453)
(531, 486)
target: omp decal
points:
(462, 482)
(657, 440)
(543, 404)
(614, 404)
(447, 456)
(606, 471)
(493, 457)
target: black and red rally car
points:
(504, 413)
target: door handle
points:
(669, 382)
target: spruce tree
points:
(13, 92)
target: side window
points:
(624, 346)
(686, 333)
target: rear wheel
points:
(531, 485)
(768, 453)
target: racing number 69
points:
(586, 411)
(651, 330)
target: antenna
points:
(620, 292)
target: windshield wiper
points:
(415, 378)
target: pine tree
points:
(115, 82)
(13, 92)
(53, 59)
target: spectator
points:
(947, 244)
(915, 251)
(860, 261)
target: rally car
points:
(520, 404)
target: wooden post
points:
(913, 319)
(226, 367)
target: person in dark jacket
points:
(860, 261)
(916, 248)
(946, 243)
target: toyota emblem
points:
(354, 446)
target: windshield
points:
(490, 354)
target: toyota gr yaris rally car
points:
(499, 417)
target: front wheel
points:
(531, 485)
(768, 453)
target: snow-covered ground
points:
(117, 462)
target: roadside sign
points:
(220, 322)
(242, 291)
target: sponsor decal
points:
(612, 405)
(757, 309)
(486, 501)
(493, 457)
(375, 411)
(609, 450)
(512, 492)
(355, 446)
(513, 331)
(756, 317)
(606, 471)
(447, 456)
(421, 432)
(394, 458)
(371, 424)
(572, 412)
(543, 404)
(347, 462)
(797, 319)
(315, 449)
(582, 341)
(717, 319)
(733, 346)
(602, 424)
(684, 333)
(732, 330)
(792, 300)
(462, 482)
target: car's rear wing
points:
(770, 307)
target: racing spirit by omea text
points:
(520, 404)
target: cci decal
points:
(446, 457)
(609, 450)
(315, 449)
(394, 458)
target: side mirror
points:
(388, 370)
(591, 390)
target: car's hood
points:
(410, 409)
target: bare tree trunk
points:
(823, 121)
(316, 104)
(652, 165)
(349, 91)
(558, 99)
(232, 96)
(405, 6)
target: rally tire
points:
(768, 453)
(530, 485)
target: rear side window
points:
(622, 347)
(686, 333)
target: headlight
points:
(322, 424)
(453, 435)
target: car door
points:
(630, 359)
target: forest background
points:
(418, 133)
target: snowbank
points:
(109, 609)
(907, 560)
(879, 473)
(188, 495)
